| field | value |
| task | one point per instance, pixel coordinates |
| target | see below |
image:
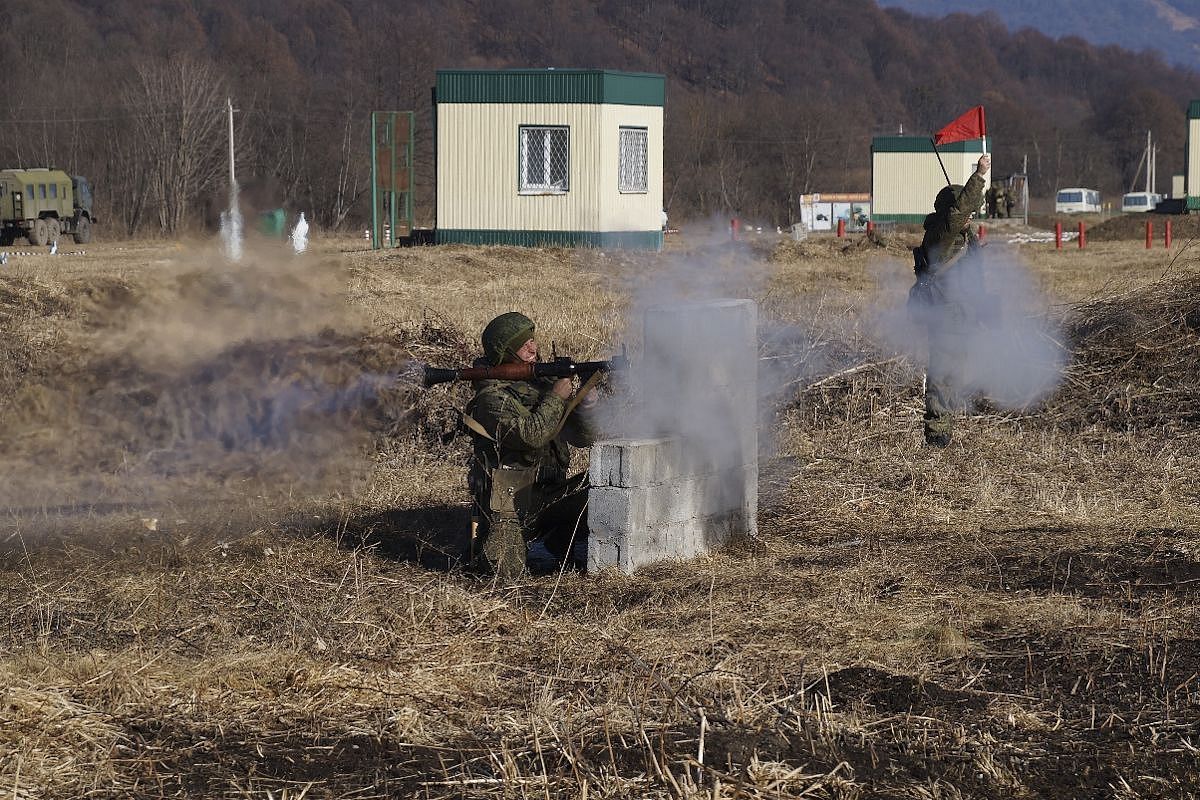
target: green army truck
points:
(42, 204)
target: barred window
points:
(545, 159)
(631, 160)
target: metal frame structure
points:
(391, 178)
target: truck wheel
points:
(38, 232)
(83, 231)
(53, 231)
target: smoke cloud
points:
(208, 369)
(992, 326)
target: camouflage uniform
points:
(518, 477)
(936, 304)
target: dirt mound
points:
(1127, 227)
(1136, 360)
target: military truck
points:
(42, 204)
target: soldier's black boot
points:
(937, 438)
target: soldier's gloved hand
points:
(985, 163)
(562, 388)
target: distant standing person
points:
(993, 201)
(1009, 202)
(935, 300)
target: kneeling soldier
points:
(518, 478)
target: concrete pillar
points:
(692, 483)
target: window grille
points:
(631, 163)
(545, 159)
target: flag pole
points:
(933, 142)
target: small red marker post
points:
(841, 228)
(734, 225)
(870, 226)
(982, 233)
(1082, 236)
(1149, 235)
(1167, 235)
(1058, 236)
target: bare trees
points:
(175, 107)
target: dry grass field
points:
(231, 528)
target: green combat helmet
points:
(504, 335)
(947, 197)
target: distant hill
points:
(1170, 27)
(765, 100)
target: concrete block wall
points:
(692, 483)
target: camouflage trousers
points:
(554, 513)
(944, 397)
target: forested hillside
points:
(1170, 27)
(766, 100)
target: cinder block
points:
(634, 462)
(695, 487)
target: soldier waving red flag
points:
(970, 125)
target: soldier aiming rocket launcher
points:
(556, 367)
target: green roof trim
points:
(610, 240)
(923, 144)
(1194, 109)
(1193, 202)
(903, 219)
(551, 86)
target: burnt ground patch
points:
(891, 693)
(1114, 566)
(1151, 680)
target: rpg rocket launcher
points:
(557, 367)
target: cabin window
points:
(545, 159)
(42, 191)
(631, 160)
(54, 191)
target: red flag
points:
(970, 125)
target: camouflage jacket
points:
(947, 233)
(523, 417)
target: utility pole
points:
(1154, 168)
(232, 173)
(231, 220)
(1149, 147)
(1025, 187)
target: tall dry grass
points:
(1014, 616)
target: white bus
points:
(1077, 201)
(1140, 201)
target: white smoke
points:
(988, 313)
(299, 235)
(695, 376)
(231, 233)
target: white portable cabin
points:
(905, 176)
(1077, 200)
(564, 157)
